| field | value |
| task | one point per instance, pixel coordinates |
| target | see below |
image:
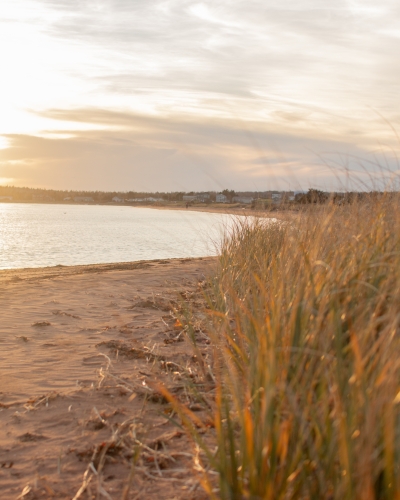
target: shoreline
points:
(242, 211)
(58, 271)
(214, 209)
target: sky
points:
(180, 95)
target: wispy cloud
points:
(160, 153)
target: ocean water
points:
(34, 235)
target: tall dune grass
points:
(306, 328)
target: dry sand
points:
(80, 349)
(219, 208)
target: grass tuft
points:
(305, 318)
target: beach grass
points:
(304, 319)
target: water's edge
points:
(35, 273)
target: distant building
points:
(221, 198)
(150, 198)
(116, 199)
(6, 198)
(83, 199)
(243, 199)
(68, 198)
(203, 197)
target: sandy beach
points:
(220, 208)
(81, 348)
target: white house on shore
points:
(116, 199)
(137, 200)
(286, 196)
(221, 198)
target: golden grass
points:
(306, 333)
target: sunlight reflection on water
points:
(34, 235)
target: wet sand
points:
(80, 349)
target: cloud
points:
(139, 152)
(237, 47)
(201, 94)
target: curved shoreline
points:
(38, 273)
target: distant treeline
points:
(313, 196)
(37, 194)
(54, 195)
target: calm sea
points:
(34, 235)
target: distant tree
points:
(312, 196)
(229, 194)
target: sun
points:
(4, 143)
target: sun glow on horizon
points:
(4, 142)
